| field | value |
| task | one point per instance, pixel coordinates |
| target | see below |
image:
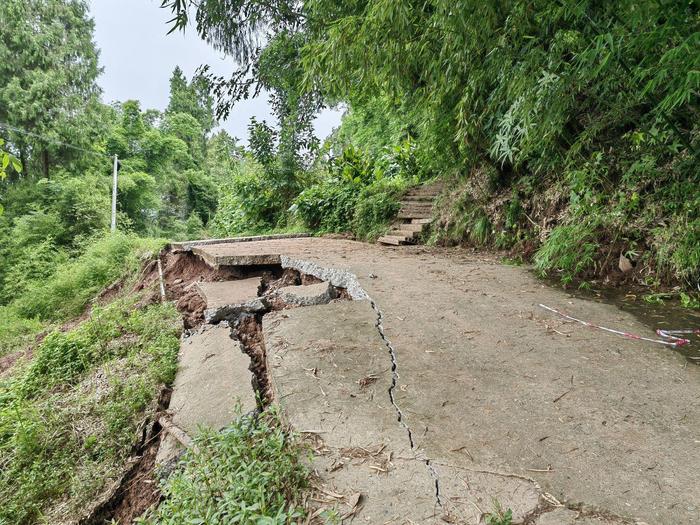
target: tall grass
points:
(67, 291)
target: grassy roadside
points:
(70, 416)
(65, 293)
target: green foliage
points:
(481, 229)
(248, 203)
(327, 206)
(355, 196)
(16, 332)
(591, 106)
(192, 99)
(499, 517)
(250, 472)
(70, 417)
(73, 283)
(569, 250)
(47, 79)
(6, 160)
(376, 207)
(691, 300)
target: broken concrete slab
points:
(307, 295)
(188, 245)
(222, 293)
(329, 371)
(212, 379)
(487, 381)
(229, 299)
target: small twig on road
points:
(561, 396)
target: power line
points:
(52, 141)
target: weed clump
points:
(250, 472)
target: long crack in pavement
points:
(392, 398)
(350, 282)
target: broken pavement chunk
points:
(230, 298)
(212, 377)
(307, 295)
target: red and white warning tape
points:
(666, 334)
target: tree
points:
(193, 99)
(48, 67)
(239, 28)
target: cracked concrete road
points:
(504, 401)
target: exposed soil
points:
(181, 272)
(138, 489)
(9, 360)
(248, 330)
(141, 488)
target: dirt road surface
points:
(444, 390)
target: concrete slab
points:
(222, 293)
(307, 295)
(329, 371)
(212, 377)
(489, 382)
(228, 299)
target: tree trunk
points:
(45, 159)
(23, 162)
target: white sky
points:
(138, 59)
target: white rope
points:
(675, 341)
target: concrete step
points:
(394, 240)
(417, 214)
(417, 198)
(421, 221)
(425, 194)
(420, 211)
(414, 206)
(407, 226)
(408, 234)
(418, 204)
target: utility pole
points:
(114, 195)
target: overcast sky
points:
(138, 59)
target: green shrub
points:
(376, 206)
(250, 472)
(570, 250)
(328, 206)
(480, 229)
(66, 292)
(248, 204)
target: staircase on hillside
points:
(415, 214)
